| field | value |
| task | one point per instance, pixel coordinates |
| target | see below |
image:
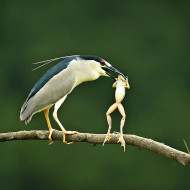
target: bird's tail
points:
(25, 114)
(24, 118)
(28, 119)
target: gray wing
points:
(52, 86)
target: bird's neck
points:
(86, 72)
(84, 77)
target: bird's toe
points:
(50, 134)
(71, 132)
(68, 133)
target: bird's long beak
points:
(112, 69)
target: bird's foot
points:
(122, 141)
(50, 134)
(68, 133)
(108, 137)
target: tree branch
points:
(160, 148)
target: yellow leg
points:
(110, 110)
(122, 111)
(63, 129)
(57, 106)
(49, 124)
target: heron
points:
(58, 82)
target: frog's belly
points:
(119, 94)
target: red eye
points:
(102, 63)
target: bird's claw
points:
(108, 137)
(122, 141)
(71, 132)
(68, 133)
(50, 134)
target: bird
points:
(58, 82)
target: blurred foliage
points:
(146, 40)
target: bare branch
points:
(160, 148)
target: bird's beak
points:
(112, 69)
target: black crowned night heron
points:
(59, 81)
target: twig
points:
(186, 146)
(149, 144)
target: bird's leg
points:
(49, 124)
(57, 106)
(110, 110)
(122, 111)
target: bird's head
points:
(101, 66)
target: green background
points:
(146, 40)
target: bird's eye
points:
(102, 63)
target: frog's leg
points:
(110, 110)
(122, 111)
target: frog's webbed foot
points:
(107, 138)
(122, 141)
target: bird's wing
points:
(47, 76)
(56, 88)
